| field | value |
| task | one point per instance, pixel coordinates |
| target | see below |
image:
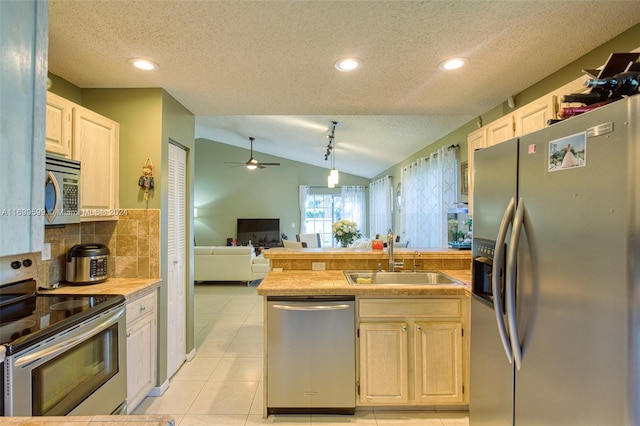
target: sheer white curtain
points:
(354, 205)
(380, 205)
(429, 188)
(304, 195)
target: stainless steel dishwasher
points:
(311, 355)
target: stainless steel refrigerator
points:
(556, 271)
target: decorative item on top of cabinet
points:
(141, 347)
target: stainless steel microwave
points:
(61, 191)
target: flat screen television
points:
(261, 232)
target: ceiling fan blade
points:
(252, 161)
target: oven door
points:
(80, 371)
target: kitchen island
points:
(411, 341)
(349, 258)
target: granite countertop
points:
(133, 420)
(130, 288)
(351, 253)
(334, 283)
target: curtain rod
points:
(337, 186)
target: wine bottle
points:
(596, 95)
(622, 84)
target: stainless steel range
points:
(61, 354)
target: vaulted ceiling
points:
(266, 68)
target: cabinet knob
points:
(142, 308)
(404, 328)
(418, 328)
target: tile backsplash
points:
(133, 241)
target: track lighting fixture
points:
(332, 179)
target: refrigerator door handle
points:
(512, 260)
(495, 278)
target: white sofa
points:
(229, 264)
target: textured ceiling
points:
(265, 68)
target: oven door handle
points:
(57, 348)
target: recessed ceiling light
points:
(452, 64)
(144, 64)
(348, 64)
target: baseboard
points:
(159, 390)
(191, 355)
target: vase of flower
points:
(345, 232)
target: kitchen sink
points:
(418, 278)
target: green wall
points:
(139, 112)
(224, 193)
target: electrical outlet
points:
(46, 251)
(317, 266)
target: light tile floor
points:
(222, 385)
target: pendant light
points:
(334, 175)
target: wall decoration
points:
(146, 179)
(464, 178)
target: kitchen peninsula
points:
(409, 344)
(349, 258)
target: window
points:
(320, 212)
(320, 209)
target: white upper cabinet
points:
(58, 129)
(475, 141)
(76, 132)
(534, 115)
(95, 145)
(500, 130)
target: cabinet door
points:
(95, 144)
(58, 128)
(475, 141)
(141, 359)
(438, 362)
(534, 116)
(383, 363)
(499, 130)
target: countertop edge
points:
(135, 419)
(334, 283)
(130, 288)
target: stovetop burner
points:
(27, 316)
(43, 315)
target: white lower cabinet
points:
(413, 351)
(141, 348)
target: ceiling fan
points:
(253, 163)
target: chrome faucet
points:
(392, 263)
